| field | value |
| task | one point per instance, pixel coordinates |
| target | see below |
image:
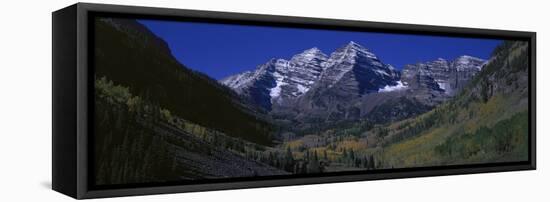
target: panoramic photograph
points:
(186, 101)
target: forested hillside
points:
(137, 141)
(487, 122)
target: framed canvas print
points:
(153, 100)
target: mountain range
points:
(349, 83)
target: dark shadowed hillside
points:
(130, 55)
(137, 141)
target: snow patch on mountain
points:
(276, 91)
(302, 89)
(465, 62)
(443, 86)
(398, 87)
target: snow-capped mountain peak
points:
(465, 62)
(356, 61)
(354, 45)
(310, 55)
(355, 49)
(312, 51)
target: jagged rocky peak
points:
(466, 62)
(440, 62)
(279, 79)
(310, 62)
(443, 75)
(354, 45)
(310, 55)
(244, 79)
(355, 62)
(237, 80)
(352, 51)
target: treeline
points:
(355, 127)
(353, 159)
(314, 160)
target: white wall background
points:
(25, 102)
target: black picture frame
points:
(72, 99)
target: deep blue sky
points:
(220, 50)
